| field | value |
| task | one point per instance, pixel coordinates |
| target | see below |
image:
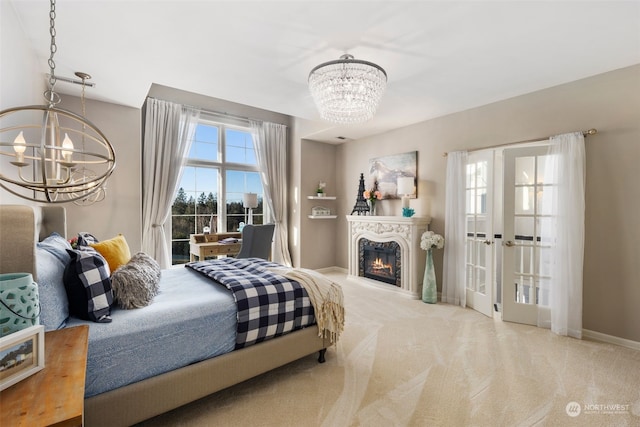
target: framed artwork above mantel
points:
(386, 170)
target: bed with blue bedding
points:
(181, 347)
(194, 315)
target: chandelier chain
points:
(53, 48)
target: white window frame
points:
(221, 166)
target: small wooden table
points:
(208, 245)
(53, 396)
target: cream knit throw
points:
(326, 298)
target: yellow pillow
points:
(115, 251)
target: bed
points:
(213, 363)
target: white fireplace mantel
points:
(406, 232)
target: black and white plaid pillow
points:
(88, 286)
(86, 239)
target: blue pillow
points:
(51, 260)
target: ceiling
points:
(440, 57)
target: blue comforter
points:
(195, 315)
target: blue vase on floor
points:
(429, 288)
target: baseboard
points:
(610, 339)
(334, 269)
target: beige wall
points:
(318, 164)
(121, 210)
(609, 102)
(308, 164)
(22, 78)
(18, 64)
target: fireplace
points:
(380, 261)
(393, 253)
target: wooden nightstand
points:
(55, 395)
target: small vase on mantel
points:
(372, 207)
(429, 288)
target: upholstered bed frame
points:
(21, 227)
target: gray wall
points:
(609, 102)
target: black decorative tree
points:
(361, 207)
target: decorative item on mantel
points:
(361, 207)
(429, 241)
(372, 197)
(406, 188)
(408, 212)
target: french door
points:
(479, 232)
(524, 214)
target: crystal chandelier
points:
(39, 142)
(347, 90)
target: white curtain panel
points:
(563, 231)
(168, 131)
(453, 283)
(270, 142)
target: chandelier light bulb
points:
(68, 144)
(19, 144)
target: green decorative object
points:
(19, 302)
(429, 288)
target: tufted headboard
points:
(21, 227)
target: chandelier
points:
(347, 90)
(39, 142)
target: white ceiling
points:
(440, 57)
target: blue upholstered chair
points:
(256, 241)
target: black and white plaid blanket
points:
(269, 305)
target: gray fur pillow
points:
(136, 283)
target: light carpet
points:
(401, 362)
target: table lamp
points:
(405, 189)
(250, 202)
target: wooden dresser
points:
(53, 396)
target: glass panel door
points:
(478, 243)
(523, 214)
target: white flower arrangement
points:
(431, 240)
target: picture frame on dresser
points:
(21, 355)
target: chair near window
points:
(256, 241)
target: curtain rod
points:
(213, 113)
(584, 133)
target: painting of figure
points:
(386, 170)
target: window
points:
(221, 166)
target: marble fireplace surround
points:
(406, 232)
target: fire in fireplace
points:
(380, 261)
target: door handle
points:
(509, 243)
(487, 242)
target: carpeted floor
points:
(402, 362)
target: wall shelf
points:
(323, 216)
(321, 198)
